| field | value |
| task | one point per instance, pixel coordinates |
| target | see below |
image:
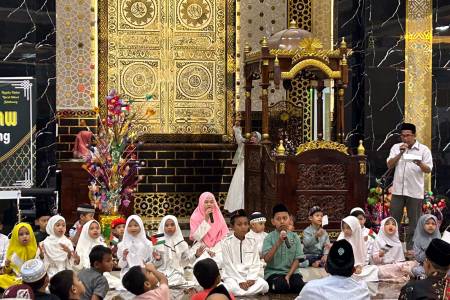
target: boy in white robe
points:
(340, 285)
(241, 262)
(257, 226)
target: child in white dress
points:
(90, 237)
(135, 249)
(351, 231)
(388, 254)
(368, 234)
(57, 248)
(174, 252)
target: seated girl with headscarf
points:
(388, 254)
(351, 231)
(207, 229)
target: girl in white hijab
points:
(174, 252)
(90, 237)
(351, 231)
(58, 249)
(134, 249)
(388, 253)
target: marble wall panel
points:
(441, 97)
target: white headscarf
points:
(392, 254)
(52, 243)
(356, 240)
(138, 246)
(86, 243)
(174, 242)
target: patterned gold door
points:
(174, 50)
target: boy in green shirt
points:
(282, 250)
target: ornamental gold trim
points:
(325, 145)
(311, 63)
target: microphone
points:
(286, 240)
(211, 217)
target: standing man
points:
(411, 161)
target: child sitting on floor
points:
(241, 263)
(135, 249)
(174, 252)
(42, 217)
(34, 275)
(57, 248)
(388, 253)
(22, 247)
(85, 214)
(257, 226)
(143, 282)
(118, 230)
(93, 279)
(315, 239)
(368, 234)
(66, 285)
(207, 274)
(207, 229)
(351, 231)
(282, 251)
(426, 230)
(4, 242)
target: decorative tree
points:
(113, 162)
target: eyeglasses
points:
(406, 135)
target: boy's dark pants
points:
(278, 284)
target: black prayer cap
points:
(408, 126)
(439, 252)
(340, 259)
(280, 207)
(42, 209)
(314, 209)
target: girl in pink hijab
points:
(207, 229)
(82, 144)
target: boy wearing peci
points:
(282, 250)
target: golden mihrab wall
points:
(174, 50)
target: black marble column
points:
(374, 105)
(28, 48)
(441, 97)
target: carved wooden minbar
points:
(322, 172)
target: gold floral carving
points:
(311, 63)
(179, 52)
(327, 145)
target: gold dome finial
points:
(247, 48)
(344, 60)
(361, 150)
(264, 42)
(343, 43)
(277, 62)
(280, 149)
(293, 24)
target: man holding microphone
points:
(411, 161)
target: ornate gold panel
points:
(418, 73)
(174, 50)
